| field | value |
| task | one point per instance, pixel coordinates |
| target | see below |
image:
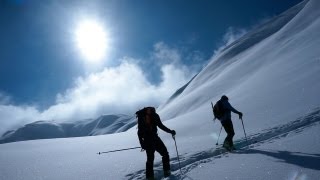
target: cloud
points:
(166, 55)
(122, 89)
(114, 90)
(13, 116)
(178, 57)
(232, 34)
(4, 99)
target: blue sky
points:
(41, 66)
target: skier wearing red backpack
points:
(148, 121)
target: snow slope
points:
(271, 75)
(106, 124)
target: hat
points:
(224, 97)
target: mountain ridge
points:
(105, 124)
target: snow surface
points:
(271, 74)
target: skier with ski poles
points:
(222, 111)
(148, 121)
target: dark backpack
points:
(143, 129)
(141, 119)
(218, 110)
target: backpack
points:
(140, 115)
(218, 110)
(143, 128)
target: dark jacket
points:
(147, 132)
(227, 109)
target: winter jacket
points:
(147, 128)
(227, 108)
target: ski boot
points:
(233, 148)
(227, 146)
(167, 173)
(150, 178)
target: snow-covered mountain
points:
(272, 75)
(265, 73)
(106, 124)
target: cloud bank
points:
(122, 89)
(114, 90)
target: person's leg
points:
(162, 150)
(228, 127)
(149, 163)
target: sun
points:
(92, 40)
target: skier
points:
(148, 120)
(227, 123)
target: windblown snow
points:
(272, 75)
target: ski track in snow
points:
(191, 161)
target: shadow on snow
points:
(309, 161)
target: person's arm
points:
(228, 106)
(163, 127)
(141, 135)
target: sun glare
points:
(92, 40)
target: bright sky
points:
(77, 58)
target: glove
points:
(173, 132)
(240, 115)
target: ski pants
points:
(156, 145)
(228, 127)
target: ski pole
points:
(245, 134)
(118, 150)
(214, 119)
(219, 135)
(174, 138)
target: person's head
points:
(224, 98)
(150, 110)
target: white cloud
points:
(13, 116)
(232, 34)
(4, 99)
(164, 54)
(117, 90)
(122, 89)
